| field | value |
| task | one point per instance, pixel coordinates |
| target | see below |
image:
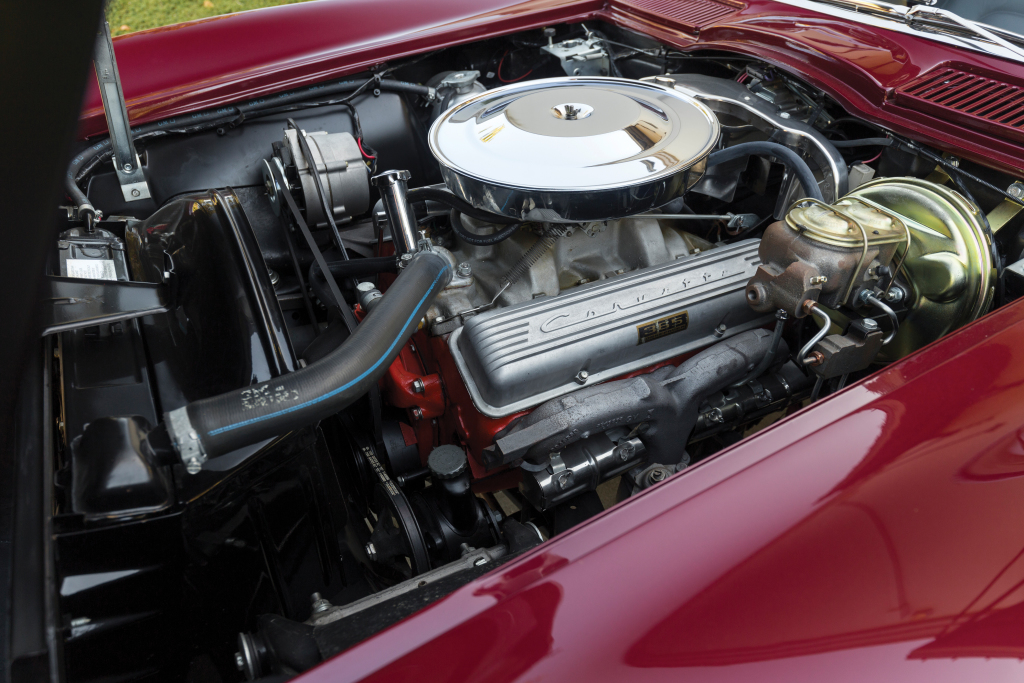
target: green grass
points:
(126, 16)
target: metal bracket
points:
(580, 57)
(1006, 210)
(75, 303)
(126, 159)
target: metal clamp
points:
(562, 475)
(186, 440)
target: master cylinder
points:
(896, 264)
(825, 253)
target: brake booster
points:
(906, 250)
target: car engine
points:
(347, 348)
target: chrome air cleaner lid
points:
(574, 149)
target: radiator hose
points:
(213, 426)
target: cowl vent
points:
(689, 15)
(987, 102)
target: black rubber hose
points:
(246, 416)
(355, 268)
(863, 142)
(320, 91)
(455, 219)
(421, 194)
(789, 157)
(359, 267)
(227, 115)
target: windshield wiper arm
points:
(937, 13)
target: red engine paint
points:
(444, 412)
(424, 407)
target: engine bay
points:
(344, 349)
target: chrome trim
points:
(892, 17)
(698, 87)
(973, 26)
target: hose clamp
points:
(186, 440)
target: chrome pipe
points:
(870, 298)
(394, 187)
(826, 323)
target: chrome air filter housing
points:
(574, 149)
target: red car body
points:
(876, 535)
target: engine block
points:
(525, 354)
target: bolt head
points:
(714, 415)
(626, 451)
(127, 167)
(657, 475)
(136, 193)
(816, 358)
(193, 466)
(465, 269)
(564, 479)
(417, 413)
(1016, 190)
(784, 115)
(720, 330)
(417, 386)
(320, 605)
(582, 376)
(869, 324)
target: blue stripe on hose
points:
(412, 318)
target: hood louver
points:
(689, 15)
(983, 102)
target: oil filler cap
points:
(447, 462)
